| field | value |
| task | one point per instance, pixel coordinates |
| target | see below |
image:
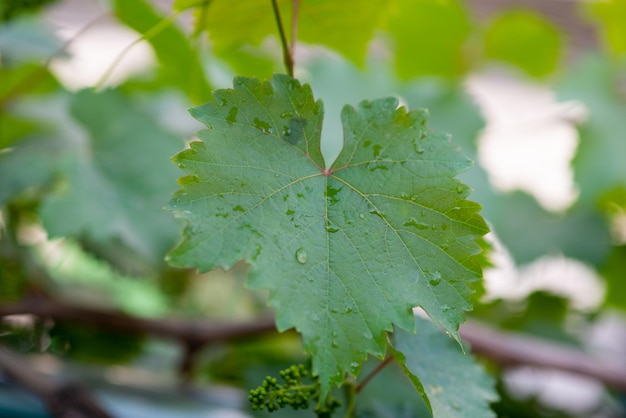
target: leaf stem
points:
(373, 373)
(294, 28)
(350, 393)
(287, 57)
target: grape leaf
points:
(449, 381)
(537, 232)
(113, 188)
(345, 251)
(598, 84)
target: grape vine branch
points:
(505, 348)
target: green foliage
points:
(389, 203)
(180, 65)
(559, 231)
(451, 384)
(613, 272)
(10, 9)
(525, 40)
(414, 26)
(598, 82)
(347, 234)
(611, 16)
(27, 40)
(14, 280)
(92, 345)
(331, 23)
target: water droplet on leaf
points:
(435, 278)
(301, 256)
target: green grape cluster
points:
(293, 392)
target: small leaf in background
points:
(24, 78)
(182, 5)
(114, 184)
(180, 65)
(345, 251)
(40, 155)
(529, 231)
(14, 280)
(450, 381)
(27, 39)
(14, 129)
(13, 9)
(420, 46)
(610, 16)
(526, 40)
(343, 26)
(390, 394)
(28, 78)
(599, 84)
(90, 344)
(613, 273)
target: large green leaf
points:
(451, 383)
(345, 251)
